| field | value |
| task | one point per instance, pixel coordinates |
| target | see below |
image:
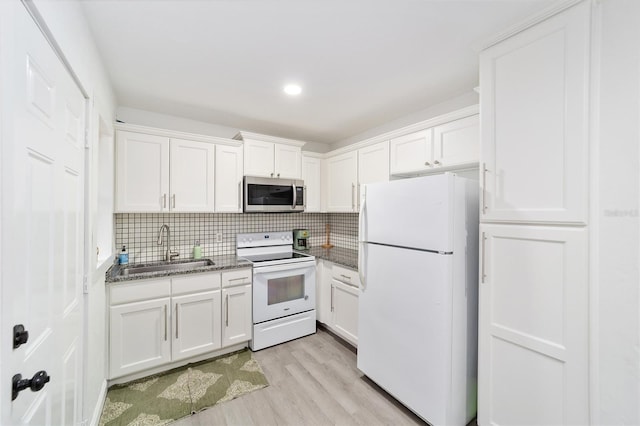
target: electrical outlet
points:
(218, 237)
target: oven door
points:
(273, 195)
(281, 290)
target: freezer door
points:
(414, 213)
(404, 335)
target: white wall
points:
(615, 216)
(170, 122)
(66, 22)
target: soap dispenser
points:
(197, 250)
(123, 257)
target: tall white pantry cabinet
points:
(533, 313)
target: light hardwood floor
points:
(313, 381)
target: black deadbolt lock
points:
(20, 336)
(35, 383)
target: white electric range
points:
(284, 288)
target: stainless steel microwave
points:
(269, 195)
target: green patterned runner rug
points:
(169, 396)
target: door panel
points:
(142, 174)
(534, 92)
(192, 176)
(237, 324)
(196, 324)
(43, 221)
(533, 326)
(411, 153)
(139, 336)
(345, 310)
(228, 179)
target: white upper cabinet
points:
(258, 158)
(457, 143)
(142, 172)
(535, 122)
(411, 153)
(342, 178)
(160, 174)
(192, 176)
(228, 179)
(373, 166)
(265, 156)
(287, 161)
(311, 175)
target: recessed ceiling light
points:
(292, 89)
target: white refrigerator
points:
(418, 301)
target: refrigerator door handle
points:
(361, 238)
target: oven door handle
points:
(284, 267)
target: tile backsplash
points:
(216, 232)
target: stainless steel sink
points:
(165, 267)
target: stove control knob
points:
(282, 238)
(250, 239)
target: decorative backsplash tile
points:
(216, 232)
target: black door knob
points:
(20, 336)
(35, 383)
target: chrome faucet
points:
(168, 254)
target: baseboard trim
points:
(347, 344)
(97, 411)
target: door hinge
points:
(85, 285)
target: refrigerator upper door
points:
(404, 327)
(415, 213)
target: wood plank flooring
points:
(313, 381)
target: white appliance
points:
(284, 288)
(417, 319)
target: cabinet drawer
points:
(140, 290)
(237, 277)
(195, 283)
(347, 276)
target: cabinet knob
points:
(426, 163)
(437, 163)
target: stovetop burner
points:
(269, 248)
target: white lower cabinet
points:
(159, 321)
(196, 325)
(139, 336)
(345, 310)
(533, 325)
(337, 302)
(237, 324)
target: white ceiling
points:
(360, 63)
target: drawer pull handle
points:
(345, 277)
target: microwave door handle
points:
(295, 196)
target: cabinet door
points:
(142, 173)
(237, 326)
(411, 153)
(342, 175)
(287, 161)
(192, 176)
(311, 176)
(457, 143)
(196, 324)
(228, 179)
(139, 336)
(535, 122)
(345, 310)
(533, 326)
(258, 158)
(373, 166)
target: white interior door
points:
(42, 224)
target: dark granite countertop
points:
(341, 256)
(219, 263)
